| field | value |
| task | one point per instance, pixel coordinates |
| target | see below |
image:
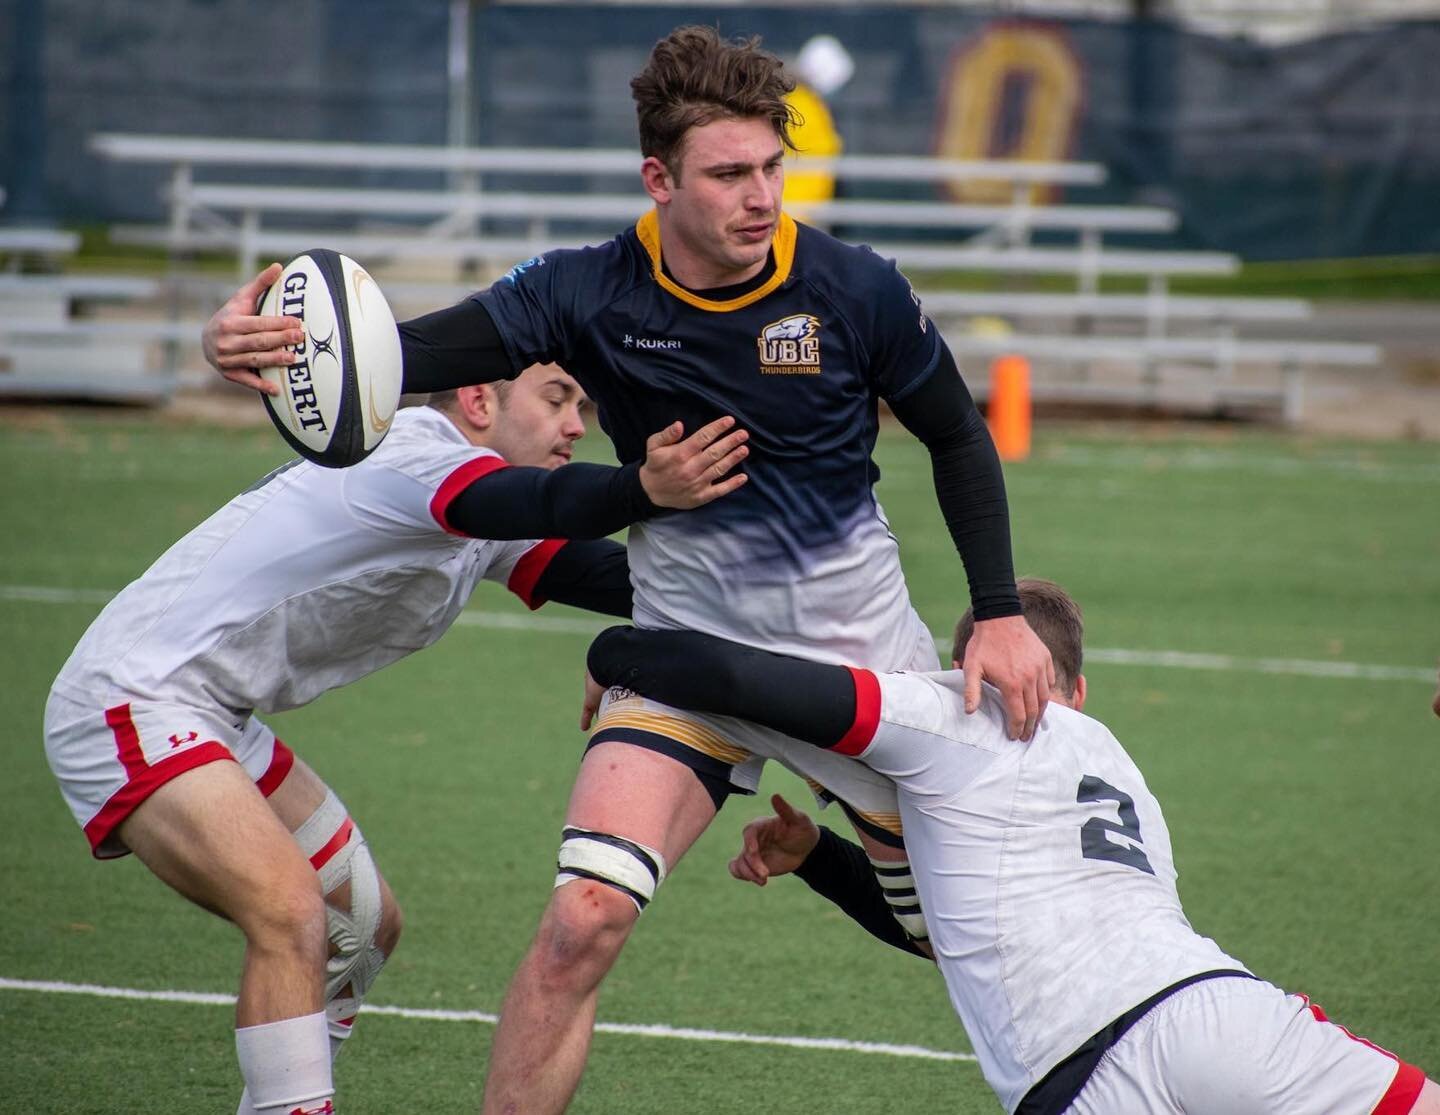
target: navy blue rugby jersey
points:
(800, 559)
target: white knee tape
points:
(632, 869)
(358, 959)
(898, 883)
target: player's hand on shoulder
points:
(682, 474)
(1010, 656)
(774, 845)
(237, 341)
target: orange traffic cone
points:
(1009, 411)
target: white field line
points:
(1197, 459)
(1173, 659)
(426, 1014)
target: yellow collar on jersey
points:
(647, 228)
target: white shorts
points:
(1236, 1046)
(734, 751)
(109, 760)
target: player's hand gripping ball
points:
(338, 398)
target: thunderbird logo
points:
(790, 346)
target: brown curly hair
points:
(694, 76)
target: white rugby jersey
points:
(1044, 870)
(310, 580)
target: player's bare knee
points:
(582, 933)
(291, 919)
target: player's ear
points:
(478, 405)
(1078, 702)
(655, 177)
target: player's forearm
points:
(454, 347)
(575, 501)
(969, 484)
(840, 872)
(807, 700)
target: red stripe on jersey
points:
(451, 487)
(867, 713)
(333, 845)
(127, 741)
(124, 801)
(527, 572)
(281, 760)
(1404, 1090)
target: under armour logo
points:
(177, 741)
(327, 1108)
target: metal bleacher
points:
(482, 222)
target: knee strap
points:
(898, 882)
(632, 869)
(339, 854)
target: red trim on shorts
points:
(1404, 1090)
(451, 487)
(528, 570)
(127, 741)
(867, 713)
(1320, 1016)
(333, 845)
(281, 760)
(124, 801)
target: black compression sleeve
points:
(593, 575)
(574, 501)
(841, 872)
(807, 700)
(968, 482)
(454, 347)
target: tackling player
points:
(716, 303)
(1047, 881)
(310, 580)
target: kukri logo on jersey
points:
(790, 346)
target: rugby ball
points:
(338, 398)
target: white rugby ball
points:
(338, 399)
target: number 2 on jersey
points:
(1094, 843)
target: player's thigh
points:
(210, 835)
(640, 795)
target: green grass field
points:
(1302, 806)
